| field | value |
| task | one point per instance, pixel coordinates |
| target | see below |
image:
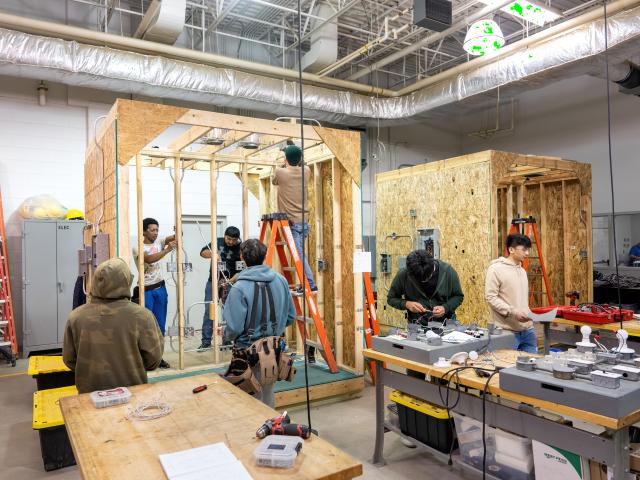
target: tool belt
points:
(265, 353)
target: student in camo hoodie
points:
(507, 293)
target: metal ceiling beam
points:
(489, 9)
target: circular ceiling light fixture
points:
(483, 36)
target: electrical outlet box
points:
(428, 239)
(402, 262)
(99, 249)
(413, 213)
(84, 259)
(322, 265)
(385, 263)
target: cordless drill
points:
(281, 425)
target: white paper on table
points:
(197, 463)
(550, 316)
(361, 262)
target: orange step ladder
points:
(8, 341)
(277, 226)
(527, 226)
(371, 326)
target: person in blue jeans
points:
(229, 255)
(289, 178)
(507, 293)
(155, 291)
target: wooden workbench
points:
(631, 326)
(610, 448)
(107, 445)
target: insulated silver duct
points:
(570, 53)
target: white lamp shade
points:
(484, 36)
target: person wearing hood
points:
(110, 341)
(507, 293)
(238, 307)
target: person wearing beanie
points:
(288, 178)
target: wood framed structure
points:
(471, 200)
(333, 197)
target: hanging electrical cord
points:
(303, 193)
(613, 197)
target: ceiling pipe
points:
(50, 29)
(478, 15)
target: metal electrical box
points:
(44, 269)
(428, 239)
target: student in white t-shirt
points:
(155, 292)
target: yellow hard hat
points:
(74, 214)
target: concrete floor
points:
(348, 425)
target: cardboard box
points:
(553, 463)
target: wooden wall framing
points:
(471, 199)
(333, 199)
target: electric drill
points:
(281, 425)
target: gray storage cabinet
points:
(44, 271)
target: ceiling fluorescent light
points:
(529, 10)
(483, 36)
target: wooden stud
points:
(213, 307)
(246, 124)
(509, 206)
(317, 182)
(245, 201)
(337, 259)
(520, 201)
(542, 223)
(358, 287)
(177, 173)
(565, 234)
(140, 259)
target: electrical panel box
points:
(44, 271)
(385, 263)
(428, 239)
(99, 249)
(433, 14)
(369, 244)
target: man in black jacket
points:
(229, 255)
(426, 285)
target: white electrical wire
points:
(150, 410)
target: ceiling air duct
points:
(324, 41)
(214, 137)
(163, 22)
(251, 143)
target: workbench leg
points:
(378, 458)
(621, 464)
(546, 328)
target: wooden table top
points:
(107, 445)
(505, 358)
(631, 326)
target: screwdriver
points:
(201, 388)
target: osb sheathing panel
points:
(580, 272)
(348, 293)
(329, 273)
(552, 233)
(345, 145)
(141, 122)
(100, 185)
(531, 207)
(453, 196)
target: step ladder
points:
(371, 326)
(8, 341)
(527, 226)
(276, 234)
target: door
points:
(68, 242)
(40, 290)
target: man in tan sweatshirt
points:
(507, 293)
